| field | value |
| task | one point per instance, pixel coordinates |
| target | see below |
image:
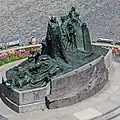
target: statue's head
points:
(84, 25)
(63, 18)
(77, 15)
(73, 9)
(53, 19)
(70, 15)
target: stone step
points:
(110, 115)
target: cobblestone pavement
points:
(106, 102)
(21, 19)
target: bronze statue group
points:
(71, 35)
(65, 48)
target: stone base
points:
(78, 85)
(23, 108)
(24, 101)
(74, 98)
(109, 63)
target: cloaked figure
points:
(73, 12)
(71, 30)
(53, 41)
(77, 25)
(86, 38)
(64, 34)
(74, 31)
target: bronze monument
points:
(67, 46)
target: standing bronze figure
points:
(72, 32)
(53, 40)
(66, 47)
(86, 38)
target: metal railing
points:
(106, 45)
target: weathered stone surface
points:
(108, 59)
(78, 85)
(64, 90)
(109, 63)
(19, 20)
(23, 108)
(24, 101)
(27, 96)
(9, 93)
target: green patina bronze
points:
(66, 47)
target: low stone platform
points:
(65, 90)
(103, 102)
(25, 101)
(78, 85)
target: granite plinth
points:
(67, 89)
(109, 62)
(108, 59)
(24, 101)
(78, 85)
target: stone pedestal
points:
(67, 89)
(108, 59)
(24, 101)
(78, 85)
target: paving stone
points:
(3, 118)
(117, 118)
(112, 89)
(69, 117)
(105, 106)
(99, 97)
(19, 20)
(116, 98)
(87, 114)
